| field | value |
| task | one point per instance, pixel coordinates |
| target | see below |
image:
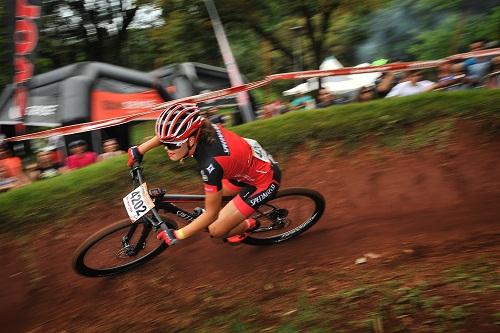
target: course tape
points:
(397, 66)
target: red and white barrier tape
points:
(398, 66)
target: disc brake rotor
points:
(126, 252)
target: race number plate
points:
(138, 202)
(259, 152)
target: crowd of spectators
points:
(50, 162)
(474, 72)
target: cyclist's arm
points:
(148, 145)
(213, 202)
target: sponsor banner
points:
(25, 40)
(103, 120)
(40, 110)
(108, 105)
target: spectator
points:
(476, 67)
(79, 156)
(266, 111)
(6, 182)
(413, 85)
(57, 141)
(273, 109)
(278, 107)
(325, 99)
(385, 83)
(46, 166)
(366, 94)
(12, 165)
(448, 78)
(302, 101)
(111, 149)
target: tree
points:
(460, 22)
(75, 30)
(272, 21)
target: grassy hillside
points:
(51, 201)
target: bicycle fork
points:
(130, 249)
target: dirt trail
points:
(438, 205)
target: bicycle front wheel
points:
(290, 213)
(117, 248)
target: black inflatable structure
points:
(90, 91)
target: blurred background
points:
(266, 36)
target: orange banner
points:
(108, 105)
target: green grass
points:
(392, 121)
(355, 122)
(476, 276)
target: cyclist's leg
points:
(233, 218)
(251, 198)
(229, 218)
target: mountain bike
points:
(129, 243)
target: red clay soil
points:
(433, 207)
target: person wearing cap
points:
(79, 156)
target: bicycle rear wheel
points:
(290, 213)
(104, 253)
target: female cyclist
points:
(229, 166)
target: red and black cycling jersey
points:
(231, 157)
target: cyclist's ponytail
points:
(207, 133)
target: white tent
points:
(338, 84)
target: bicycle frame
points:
(166, 202)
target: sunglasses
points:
(173, 145)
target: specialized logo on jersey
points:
(222, 140)
(210, 168)
(204, 176)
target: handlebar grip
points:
(167, 235)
